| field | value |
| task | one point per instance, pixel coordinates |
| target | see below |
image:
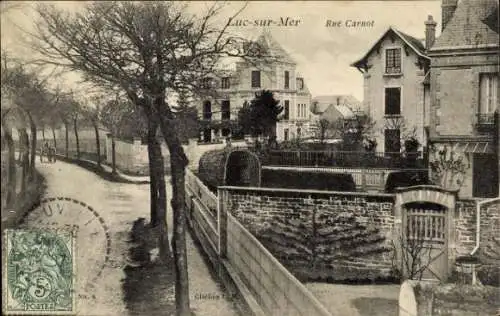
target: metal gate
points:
(424, 244)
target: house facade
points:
(464, 91)
(219, 112)
(394, 71)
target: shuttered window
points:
(255, 79)
(392, 101)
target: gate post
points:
(222, 202)
(397, 232)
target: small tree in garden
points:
(355, 131)
(323, 130)
(415, 257)
(448, 168)
(408, 135)
(259, 117)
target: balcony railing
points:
(485, 118)
(485, 122)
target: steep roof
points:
(321, 103)
(473, 23)
(414, 43)
(334, 112)
(273, 48)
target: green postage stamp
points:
(39, 272)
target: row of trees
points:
(146, 52)
(27, 105)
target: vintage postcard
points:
(250, 158)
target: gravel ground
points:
(118, 205)
(357, 300)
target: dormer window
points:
(393, 61)
(300, 83)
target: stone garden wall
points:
(489, 237)
(318, 234)
(336, 236)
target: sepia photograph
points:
(260, 158)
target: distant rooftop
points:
(272, 48)
(320, 103)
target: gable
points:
(407, 42)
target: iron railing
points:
(344, 159)
(486, 119)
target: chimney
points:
(448, 7)
(430, 32)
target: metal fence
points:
(344, 159)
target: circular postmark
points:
(93, 241)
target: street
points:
(99, 270)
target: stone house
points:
(464, 91)
(394, 88)
(239, 83)
(332, 108)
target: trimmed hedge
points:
(291, 179)
(406, 178)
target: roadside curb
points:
(104, 171)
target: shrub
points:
(405, 179)
(294, 179)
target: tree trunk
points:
(178, 163)
(75, 125)
(54, 138)
(98, 144)
(24, 159)
(159, 166)
(33, 147)
(158, 188)
(11, 163)
(113, 154)
(153, 182)
(153, 186)
(67, 139)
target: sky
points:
(323, 53)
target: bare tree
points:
(111, 116)
(146, 50)
(408, 135)
(91, 115)
(30, 96)
(353, 131)
(323, 129)
(415, 256)
(11, 161)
